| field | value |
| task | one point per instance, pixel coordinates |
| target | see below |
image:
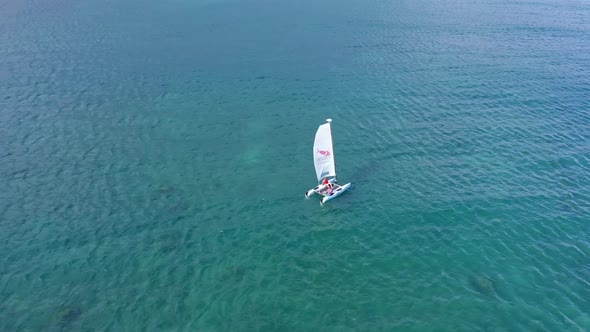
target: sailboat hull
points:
(339, 190)
(319, 189)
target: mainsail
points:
(323, 152)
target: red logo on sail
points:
(324, 153)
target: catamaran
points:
(325, 165)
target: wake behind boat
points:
(325, 165)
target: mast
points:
(332, 142)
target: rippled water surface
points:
(154, 156)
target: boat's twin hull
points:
(319, 189)
(322, 190)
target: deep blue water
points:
(154, 156)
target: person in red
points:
(329, 184)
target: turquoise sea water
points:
(154, 157)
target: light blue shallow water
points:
(154, 157)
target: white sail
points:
(323, 152)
